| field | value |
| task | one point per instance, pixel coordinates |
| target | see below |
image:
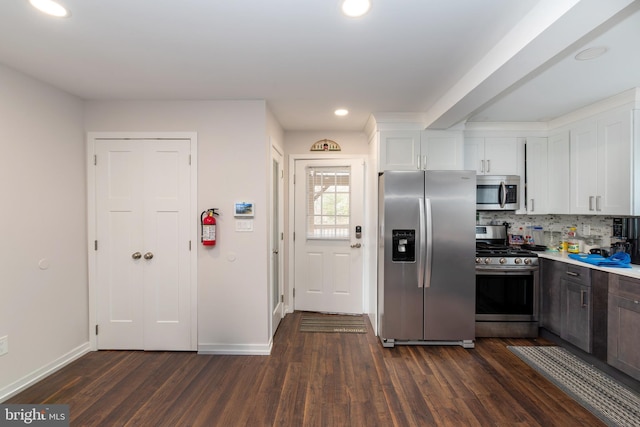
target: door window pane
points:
(328, 199)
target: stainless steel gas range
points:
(507, 282)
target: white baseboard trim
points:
(236, 349)
(43, 372)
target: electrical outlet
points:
(586, 230)
(4, 345)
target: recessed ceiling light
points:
(50, 7)
(355, 8)
(341, 112)
(590, 53)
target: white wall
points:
(371, 272)
(233, 153)
(43, 252)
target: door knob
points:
(357, 245)
(148, 255)
(136, 255)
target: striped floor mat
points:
(609, 400)
(312, 322)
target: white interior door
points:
(143, 287)
(329, 200)
(277, 242)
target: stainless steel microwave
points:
(497, 193)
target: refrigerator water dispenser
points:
(404, 246)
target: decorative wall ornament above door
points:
(325, 145)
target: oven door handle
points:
(506, 271)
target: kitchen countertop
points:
(634, 271)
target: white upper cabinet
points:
(399, 150)
(536, 201)
(442, 150)
(493, 156)
(601, 165)
(558, 175)
(415, 149)
(584, 167)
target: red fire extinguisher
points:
(208, 224)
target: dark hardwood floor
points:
(312, 379)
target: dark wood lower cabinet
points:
(551, 272)
(577, 315)
(573, 305)
(600, 298)
(623, 349)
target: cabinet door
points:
(613, 191)
(502, 156)
(474, 155)
(551, 274)
(584, 168)
(399, 150)
(576, 314)
(494, 156)
(601, 160)
(536, 176)
(558, 173)
(623, 350)
(442, 150)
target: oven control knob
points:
(503, 260)
(487, 260)
(527, 261)
(478, 260)
(518, 261)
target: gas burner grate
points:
(503, 251)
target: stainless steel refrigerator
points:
(426, 260)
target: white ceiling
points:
(448, 60)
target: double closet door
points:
(143, 283)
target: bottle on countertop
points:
(573, 243)
(564, 242)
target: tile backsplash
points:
(586, 225)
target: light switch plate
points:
(244, 225)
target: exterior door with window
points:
(329, 200)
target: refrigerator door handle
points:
(421, 254)
(429, 243)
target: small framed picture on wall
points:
(244, 209)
